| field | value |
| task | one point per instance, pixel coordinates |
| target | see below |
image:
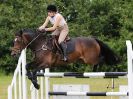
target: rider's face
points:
(51, 13)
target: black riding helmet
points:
(52, 8)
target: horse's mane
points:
(28, 31)
(34, 33)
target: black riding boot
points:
(63, 47)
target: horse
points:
(88, 50)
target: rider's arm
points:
(57, 21)
(45, 24)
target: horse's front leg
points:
(34, 73)
(31, 73)
(29, 70)
(34, 79)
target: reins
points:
(33, 40)
(44, 47)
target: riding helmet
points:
(52, 8)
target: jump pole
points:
(47, 84)
(130, 68)
(130, 74)
(82, 75)
(24, 87)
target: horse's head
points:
(32, 39)
(22, 38)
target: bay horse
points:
(88, 49)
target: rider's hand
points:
(41, 27)
(41, 30)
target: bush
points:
(109, 20)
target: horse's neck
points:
(37, 44)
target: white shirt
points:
(53, 19)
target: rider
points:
(59, 27)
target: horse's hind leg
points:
(95, 68)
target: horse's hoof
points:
(37, 86)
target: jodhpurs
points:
(62, 32)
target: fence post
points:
(33, 91)
(46, 84)
(130, 68)
(24, 91)
(20, 83)
(9, 92)
(15, 87)
(42, 85)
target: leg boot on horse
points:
(34, 80)
(32, 75)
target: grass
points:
(96, 84)
(4, 82)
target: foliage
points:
(108, 20)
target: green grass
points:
(96, 84)
(4, 82)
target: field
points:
(96, 84)
(4, 82)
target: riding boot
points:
(63, 47)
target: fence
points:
(47, 75)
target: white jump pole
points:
(20, 83)
(130, 68)
(46, 84)
(24, 87)
(9, 92)
(42, 87)
(20, 92)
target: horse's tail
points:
(108, 54)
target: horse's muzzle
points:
(15, 53)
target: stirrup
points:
(64, 59)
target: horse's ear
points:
(21, 31)
(26, 37)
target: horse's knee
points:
(30, 66)
(27, 67)
(34, 74)
(29, 75)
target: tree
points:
(108, 20)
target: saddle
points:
(70, 46)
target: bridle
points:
(16, 49)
